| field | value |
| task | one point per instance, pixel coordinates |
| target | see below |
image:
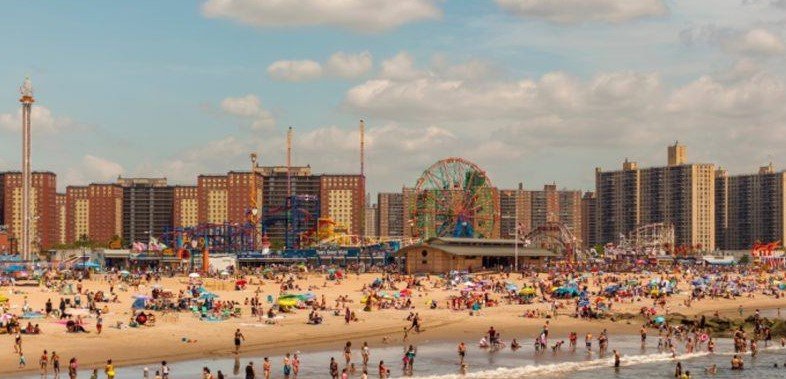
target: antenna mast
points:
(362, 148)
(289, 162)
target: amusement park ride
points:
(304, 227)
(455, 198)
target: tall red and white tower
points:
(27, 106)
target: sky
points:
(533, 91)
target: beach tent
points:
(139, 303)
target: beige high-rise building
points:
(681, 193)
(60, 204)
(750, 208)
(213, 201)
(678, 154)
(342, 198)
(186, 207)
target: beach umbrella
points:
(143, 297)
(6, 317)
(660, 320)
(224, 273)
(208, 296)
(193, 275)
(14, 268)
(124, 272)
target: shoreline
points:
(213, 340)
(473, 328)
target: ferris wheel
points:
(455, 198)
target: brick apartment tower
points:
(43, 209)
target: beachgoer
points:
(238, 338)
(109, 369)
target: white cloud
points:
(249, 107)
(756, 42)
(42, 121)
(340, 64)
(295, 71)
(92, 169)
(620, 110)
(349, 65)
(359, 15)
(578, 11)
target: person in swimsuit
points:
(238, 337)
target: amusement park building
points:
(442, 255)
(147, 207)
(43, 197)
(750, 208)
(681, 193)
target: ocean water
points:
(438, 360)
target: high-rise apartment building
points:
(77, 213)
(370, 219)
(390, 214)
(241, 186)
(589, 221)
(342, 198)
(569, 213)
(681, 194)
(275, 202)
(186, 206)
(750, 208)
(106, 212)
(62, 220)
(213, 199)
(147, 208)
(43, 226)
(510, 202)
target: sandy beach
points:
(165, 340)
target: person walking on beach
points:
(164, 370)
(365, 353)
(238, 337)
(287, 366)
(55, 365)
(616, 359)
(348, 352)
(109, 369)
(333, 368)
(266, 368)
(18, 343)
(22, 361)
(72, 368)
(250, 373)
(295, 364)
(43, 364)
(384, 372)
(462, 352)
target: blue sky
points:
(532, 90)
